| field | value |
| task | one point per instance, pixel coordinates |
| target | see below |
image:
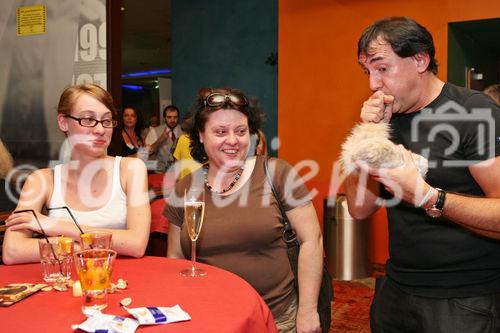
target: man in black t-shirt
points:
(443, 274)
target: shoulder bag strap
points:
(289, 235)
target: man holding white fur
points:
(443, 274)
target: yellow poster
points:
(31, 20)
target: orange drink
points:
(94, 268)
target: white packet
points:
(152, 315)
(108, 323)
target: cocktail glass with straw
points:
(60, 269)
(57, 269)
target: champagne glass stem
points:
(193, 255)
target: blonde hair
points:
(6, 162)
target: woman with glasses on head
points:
(242, 227)
(102, 192)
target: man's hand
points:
(404, 182)
(164, 135)
(378, 108)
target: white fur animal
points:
(369, 143)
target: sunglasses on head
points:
(219, 99)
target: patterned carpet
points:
(351, 306)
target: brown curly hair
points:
(201, 112)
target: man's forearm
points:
(481, 215)
(157, 143)
(362, 194)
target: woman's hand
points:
(305, 223)
(308, 321)
(26, 221)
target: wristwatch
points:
(437, 209)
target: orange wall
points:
(320, 84)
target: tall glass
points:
(94, 268)
(194, 210)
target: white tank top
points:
(113, 215)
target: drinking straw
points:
(70, 214)
(72, 217)
(43, 234)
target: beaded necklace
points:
(210, 188)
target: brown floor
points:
(351, 304)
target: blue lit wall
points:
(226, 43)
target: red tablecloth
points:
(218, 302)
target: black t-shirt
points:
(436, 257)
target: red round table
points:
(218, 302)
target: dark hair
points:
(201, 112)
(405, 36)
(187, 122)
(170, 108)
(139, 125)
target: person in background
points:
(494, 92)
(169, 133)
(102, 192)
(182, 152)
(131, 131)
(149, 133)
(242, 228)
(6, 164)
(443, 271)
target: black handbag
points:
(325, 296)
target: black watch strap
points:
(440, 199)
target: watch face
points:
(433, 212)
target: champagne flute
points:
(194, 209)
